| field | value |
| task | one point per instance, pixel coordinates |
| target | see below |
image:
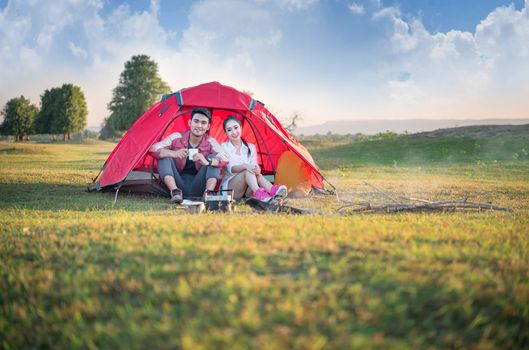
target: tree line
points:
(63, 109)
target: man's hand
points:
(181, 153)
(222, 157)
(199, 157)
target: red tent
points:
(130, 167)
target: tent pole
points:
(330, 184)
(99, 173)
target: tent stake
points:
(117, 191)
(116, 196)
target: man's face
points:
(199, 124)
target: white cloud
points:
(219, 44)
(243, 43)
(77, 50)
(376, 3)
(504, 33)
(221, 27)
(357, 9)
(34, 37)
(458, 73)
(296, 4)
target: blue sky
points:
(323, 59)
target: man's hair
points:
(204, 111)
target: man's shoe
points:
(262, 195)
(176, 196)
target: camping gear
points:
(130, 168)
(193, 207)
(220, 200)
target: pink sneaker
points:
(262, 195)
(279, 191)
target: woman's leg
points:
(238, 185)
(263, 182)
(251, 181)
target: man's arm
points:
(161, 149)
(167, 153)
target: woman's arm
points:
(240, 168)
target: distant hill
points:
(479, 131)
(370, 127)
(470, 144)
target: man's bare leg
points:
(170, 182)
(211, 183)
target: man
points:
(188, 162)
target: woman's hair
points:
(234, 118)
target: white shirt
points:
(230, 151)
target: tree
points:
(63, 111)
(139, 87)
(19, 116)
(292, 123)
(73, 112)
(49, 106)
(107, 131)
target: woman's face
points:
(233, 130)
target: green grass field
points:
(78, 271)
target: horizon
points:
(368, 126)
(325, 60)
(421, 119)
(374, 126)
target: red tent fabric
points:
(172, 113)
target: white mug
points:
(191, 152)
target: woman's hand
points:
(249, 168)
(181, 153)
(256, 170)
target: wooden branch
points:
(425, 205)
(432, 206)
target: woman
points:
(243, 173)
